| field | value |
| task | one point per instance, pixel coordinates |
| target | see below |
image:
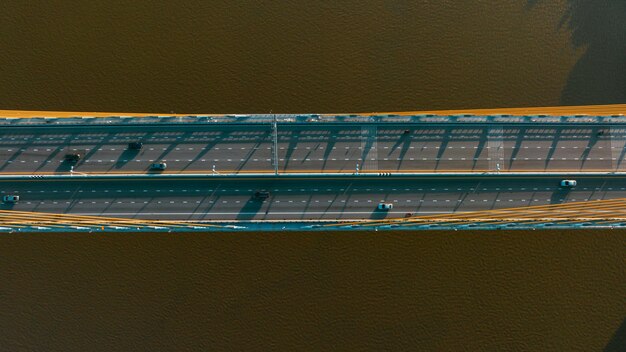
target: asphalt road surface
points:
(315, 148)
(352, 198)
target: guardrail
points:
(313, 119)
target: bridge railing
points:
(314, 119)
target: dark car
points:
(261, 195)
(135, 145)
(407, 131)
(72, 158)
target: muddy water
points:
(294, 56)
(439, 291)
(525, 291)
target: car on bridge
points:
(261, 195)
(568, 183)
(158, 166)
(72, 158)
(135, 145)
(10, 198)
(385, 206)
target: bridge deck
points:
(373, 147)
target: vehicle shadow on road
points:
(250, 209)
(558, 196)
(379, 214)
(6, 206)
(126, 156)
(65, 166)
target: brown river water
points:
(418, 291)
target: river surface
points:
(301, 56)
(429, 291)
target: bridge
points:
(452, 169)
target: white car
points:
(158, 166)
(10, 198)
(385, 206)
(568, 183)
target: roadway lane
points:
(317, 148)
(353, 198)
